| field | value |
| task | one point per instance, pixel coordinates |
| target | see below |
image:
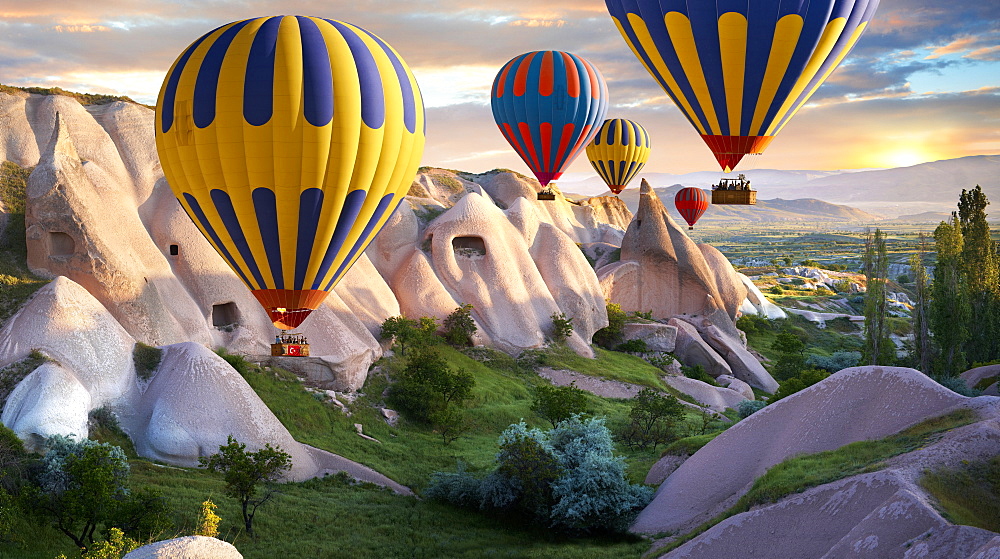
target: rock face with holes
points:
(880, 514)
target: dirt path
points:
(600, 387)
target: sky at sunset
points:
(923, 83)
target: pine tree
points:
(923, 351)
(949, 309)
(878, 349)
(981, 272)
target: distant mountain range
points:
(918, 193)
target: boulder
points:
(972, 377)
(692, 350)
(658, 337)
(854, 404)
(873, 515)
(743, 364)
(49, 401)
(64, 322)
(186, 547)
(727, 280)
(194, 402)
(609, 209)
(757, 303)
(714, 398)
(661, 270)
(738, 385)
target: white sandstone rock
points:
(186, 547)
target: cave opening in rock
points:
(225, 314)
(469, 246)
(61, 244)
(174, 250)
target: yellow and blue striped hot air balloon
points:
(289, 141)
(739, 69)
(618, 152)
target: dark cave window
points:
(61, 244)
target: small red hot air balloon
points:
(691, 202)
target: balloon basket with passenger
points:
(734, 192)
(290, 344)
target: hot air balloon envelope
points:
(618, 152)
(289, 141)
(739, 69)
(691, 202)
(548, 105)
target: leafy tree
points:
(562, 326)
(407, 332)
(878, 348)
(949, 307)
(450, 423)
(791, 354)
(525, 460)
(459, 326)
(981, 270)
(801, 381)
(245, 472)
(611, 335)
(80, 485)
(429, 391)
(652, 419)
(558, 403)
(923, 351)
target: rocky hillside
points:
(129, 267)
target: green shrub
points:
(146, 359)
(558, 403)
(428, 386)
(697, 372)
(459, 326)
(791, 354)
(801, 381)
(661, 360)
(13, 374)
(746, 408)
(568, 477)
(838, 361)
(562, 327)
(611, 335)
(776, 289)
(653, 419)
(957, 385)
(407, 332)
(634, 345)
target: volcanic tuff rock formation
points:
(871, 515)
(658, 257)
(187, 547)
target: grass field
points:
(17, 283)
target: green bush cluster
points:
(804, 379)
(146, 359)
(558, 403)
(562, 327)
(634, 345)
(459, 326)
(652, 420)
(429, 391)
(568, 477)
(611, 335)
(746, 408)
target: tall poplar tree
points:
(923, 350)
(878, 349)
(981, 272)
(949, 310)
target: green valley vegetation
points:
(968, 494)
(17, 283)
(878, 348)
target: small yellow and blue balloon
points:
(738, 69)
(290, 141)
(547, 105)
(618, 152)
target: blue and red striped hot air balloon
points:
(618, 152)
(691, 202)
(740, 69)
(289, 141)
(548, 105)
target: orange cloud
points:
(985, 53)
(956, 46)
(538, 23)
(81, 28)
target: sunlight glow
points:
(442, 86)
